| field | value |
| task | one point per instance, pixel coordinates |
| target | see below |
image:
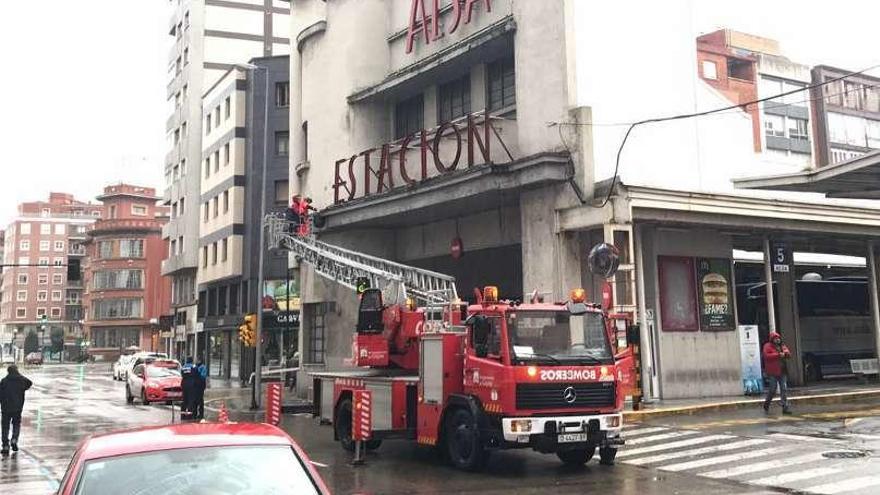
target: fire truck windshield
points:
(557, 337)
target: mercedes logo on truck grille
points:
(568, 395)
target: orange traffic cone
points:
(223, 415)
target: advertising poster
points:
(716, 297)
(750, 354)
(280, 301)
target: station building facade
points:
(483, 140)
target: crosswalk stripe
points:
(642, 431)
(693, 452)
(662, 436)
(782, 479)
(763, 466)
(800, 438)
(626, 452)
(710, 461)
(845, 485)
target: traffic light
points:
(44, 322)
(247, 332)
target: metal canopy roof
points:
(856, 178)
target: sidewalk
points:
(826, 393)
(239, 398)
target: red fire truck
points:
(470, 379)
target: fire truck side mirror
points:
(604, 259)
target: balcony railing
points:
(76, 251)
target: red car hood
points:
(169, 381)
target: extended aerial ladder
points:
(348, 267)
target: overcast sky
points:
(83, 82)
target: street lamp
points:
(258, 359)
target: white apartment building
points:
(209, 38)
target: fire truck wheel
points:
(342, 424)
(374, 444)
(607, 455)
(576, 457)
(462, 440)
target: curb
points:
(832, 398)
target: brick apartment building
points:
(126, 293)
(47, 236)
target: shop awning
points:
(856, 178)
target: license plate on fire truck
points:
(572, 437)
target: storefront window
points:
(678, 299)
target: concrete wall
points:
(691, 364)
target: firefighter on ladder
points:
(298, 215)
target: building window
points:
(180, 207)
(20, 313)
(207, 124)
(56, 313)
(44, 245)
(117, 308)
(105, 249)
(24, 260)
(118, 279)
(22, 279)
(216, 161)
(41, 312)
(207, 210)
(59, 246)
(172, 249)
(316, 337)
(56, 295)
(45, 228)
(131, 248)
(774, 125)
(282, 94)
(216, 202)
(710, 70)
(42, 295)
(139, 210)
(112, 212)
(24, 245)
(678, 297)
(214, 253)
(58, 262)
(207, 167)
(501, 84)
(21, 296)
(228, 107)
(180, 245)
(226, 154)
(57, 279)
(282, 143)
(797, 129)
(281, 192)
(42, 279)
(205, 257)
(24, 229)
(409, 116)
(43, 261)
(454, 99)
(217, 116)
(224, 252)
(226, 201)
(739, 69)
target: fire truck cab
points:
(493, 375)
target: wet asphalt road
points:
(734, 452)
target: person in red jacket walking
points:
(775, 356)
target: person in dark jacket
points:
(12, 390)
(775, 354)
(201, 383)
(188, 381)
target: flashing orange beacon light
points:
(490, 293)
(578, 295)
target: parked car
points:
(157, 381)
(34, 358)
(222, 458)
(138, 358)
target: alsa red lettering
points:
(428, 25)
(567, 375)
